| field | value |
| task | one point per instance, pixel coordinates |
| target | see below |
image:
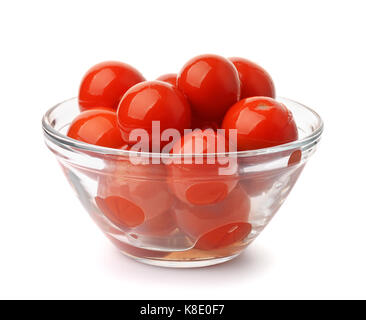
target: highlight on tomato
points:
(254, 80)
(98, 127)
(104, 84)
(260, 122)
(149, 102)
(212, 85)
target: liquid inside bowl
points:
(148, 219)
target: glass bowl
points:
(153, 211)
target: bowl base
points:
(191, 258)
(182, 264)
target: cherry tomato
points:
(218, 225)
(170, 78)
(211, 84)
(254, 80)
(201, 183)
(260, 122)
(104, 84)
(98, 127)
(153, 101)
(133, 195)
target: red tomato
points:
(200, 183)
(153, 101)
(134, 195)
(211, 84)
(218, 225)
(170, 78)
(98, 127)
(254, 80)
(260, 122)
(105, 84)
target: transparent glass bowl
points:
(151, 214)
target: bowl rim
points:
(63, 140)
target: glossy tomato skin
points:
(218, 225)
(211, 84)
(169, 78)
(200, 183)
(254, 80)
(105, 83)
(260, 122)
(98, 127)
(153, 101)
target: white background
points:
(315, 51)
